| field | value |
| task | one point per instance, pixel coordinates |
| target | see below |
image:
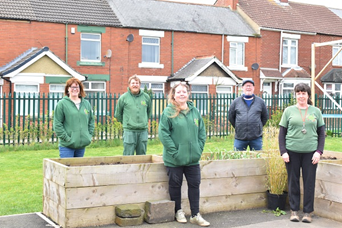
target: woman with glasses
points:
(73, 120)
(182, 133)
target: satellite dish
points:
(130, 38)
(108, 53)
(255, 66)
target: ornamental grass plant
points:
(275, 166)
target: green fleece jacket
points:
(133, 111)
(183, 137)
(73, 127)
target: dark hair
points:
(172, 100)
(69, 83)
(302, 87)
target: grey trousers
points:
(135, 141)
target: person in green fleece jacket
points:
(133, 110)
(182, 133)
(73, 120)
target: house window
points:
(288, 88)
(90, 47)
(338, 60)
(223, 99)
(96, 92)
(23, 91)
(224, 89)
(157, 88)
(290, 52)
(200, 97)
(150, 57)
(334, 90)
(150, 49)
(237, 54)
(56, 94)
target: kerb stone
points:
(128, 211)
(159, 211)
(129, 221)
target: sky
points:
(337, 4)
(329, 3)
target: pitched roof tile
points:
(293, 16)
(89, 12)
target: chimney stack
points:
(227, 3)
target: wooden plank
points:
(328, 191)
(338, 155)
(233, 168)
(54, 211)
(83, 176)
(329, 171)
(232, 186)
(93, 161)
(123, 194)
(115, 194)
(54, 171)
(328, 209)
(157, 159)
(90, 217)
(54, 192)
(228, 203)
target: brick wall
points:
(19, 36)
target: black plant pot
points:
(274, 201)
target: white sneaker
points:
(199, 220)
(180, 216)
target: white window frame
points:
(328, 104)
(154, 35)
(338, 60)
(102, 110)
(289, 49)
(223, 104)
(91, 40)
(149, 86)
(224, 92)
(31, 111)
(57, 94)
(237, 46)
(202, 106)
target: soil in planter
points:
(328, 158)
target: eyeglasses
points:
(74, 87)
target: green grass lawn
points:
(21, 172)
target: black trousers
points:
(193, 178)
(298, 161)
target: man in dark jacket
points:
(133, 110)
(248, 114)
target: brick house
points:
(107, 41)
(287, 30)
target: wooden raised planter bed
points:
(328, 198)
(81, 192)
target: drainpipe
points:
(281, 49)
(222, 48)
(172, 39)
(6, 79)
(66, 43)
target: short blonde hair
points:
(135, 78)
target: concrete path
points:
(239, 219)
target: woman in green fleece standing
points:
(73, 120)
(182, 132)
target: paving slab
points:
(254, 218)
